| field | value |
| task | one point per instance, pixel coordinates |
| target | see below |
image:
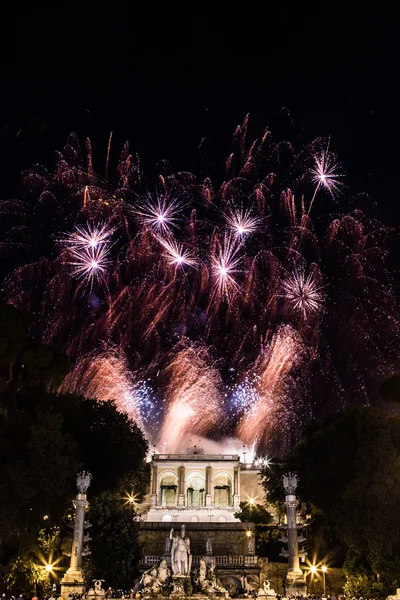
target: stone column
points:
(154, 473)
(208, 487)
(181, 486)
(73, 578)
(293, 546)
(295, 583)
(236, 487)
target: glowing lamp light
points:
(49, 568)
(252, 502)
(130, 498)
(313, 569)
(324, 568)
(248, 533)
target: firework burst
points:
(162, 215)
(176, 254)
(242, 223)
(225, 266)
(303, 293)
(203, 322)
(90, 265)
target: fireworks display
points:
(239, 311)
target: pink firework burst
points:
(242, 223)
(89, 238)
(303, 292)
(224, 264)
(176, 255)
(90, 264)
(162, 215)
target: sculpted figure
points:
(163, 572)
(202, 571)
(180, 553)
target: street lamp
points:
(312, 570)
(324, 569)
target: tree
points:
(45, 438)
(257, 514)
(115, 546)
(349, 480)
(254, 513)
(38, 463)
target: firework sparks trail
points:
(269, 411)
(225, 262)
(106, 376)
(176, 254)
(194, 393)
(326, 173)
(286, 306)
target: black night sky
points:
(166, 80)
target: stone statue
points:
(245, 585)
(266, 586)
(202, 571)
(211, 568)
(163, 572)
(266, 590)
(180, 553)
(97, 587)
(83, 481)
(250, 545)
(208, 545)
(150, 582)
(167, 547)
(156, 577)
(289, 483)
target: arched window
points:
(221, 519)
(222, 490)
(168, 489)
(195, 492)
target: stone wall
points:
(226, 538)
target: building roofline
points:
(197, 457)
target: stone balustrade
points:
(220, 561)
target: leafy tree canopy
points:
(116, 553)
(349, 479)
(46, 438)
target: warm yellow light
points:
(248, 533)
(252, 502)
(49, 568)
(313, 569)
(45, 517)
(130, 498)
(324, 568)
